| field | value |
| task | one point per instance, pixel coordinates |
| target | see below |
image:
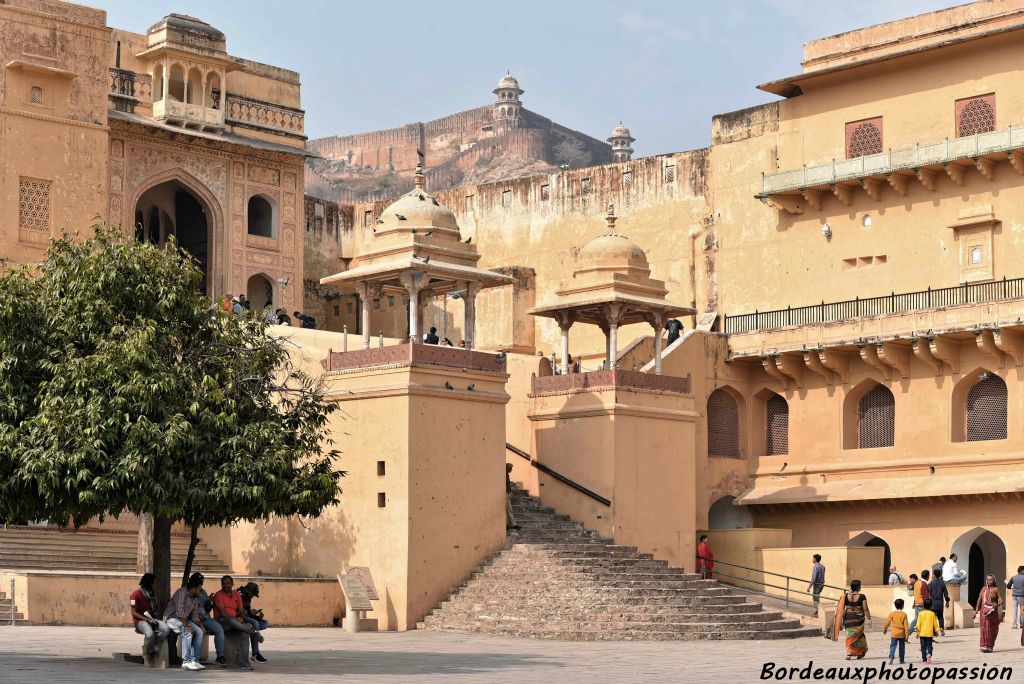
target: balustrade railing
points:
(903, 159)
(247, 111)
(894, 303)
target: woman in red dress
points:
(989, 606)
(705, 557)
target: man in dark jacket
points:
(254, 618)
(940, 595)
(1016, 586)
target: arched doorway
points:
(724, 514)
(259, 291)
(870, 540)
(979, 553)
(171, 208)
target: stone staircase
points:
(48, 548)
(557, 580)
(6, 606)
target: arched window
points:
(194, 86)
(213, 91)
(876, 419)
(158, 82)
(776, 427)
(36, 95)
(262, 217)
(723, 425)
(976, 116)
(986, 409)
(866, 138)
(176, 83)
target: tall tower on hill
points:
(622, 143)
(507, 108)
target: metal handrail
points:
(893, 303)
(13, 613)
(789, 578)
(558, 476)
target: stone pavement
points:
(38, 655)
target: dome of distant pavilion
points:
(187, 24)
(419, 209)
(508, 81)
(612, 247)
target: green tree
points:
(572, 153)
(122, 388)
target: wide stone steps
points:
(556, 580)
(41, 548)
(5, 612)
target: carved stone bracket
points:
(836, 361)
(872, 187)
(812, 360)
(898, 182)
(813, 197)
(986, 343)
(869, 355)
(1010, 343)
(923, 352)
(947, 351)
(986, 167)
(843, 193)
(956, 173)
(787, 203)
(926, 177)
(896, 356)
(771, 367)
(1017, 161)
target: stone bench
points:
(161, 660)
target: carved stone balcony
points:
(608, 379)
(191, 115)
(895, 170)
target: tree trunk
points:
(162, 559)
(144, 563)
(192, 543)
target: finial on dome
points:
(611, 218)
(419, 175)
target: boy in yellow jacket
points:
(927, 627)
(898, 621)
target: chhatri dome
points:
(610, 248)
(508, 82)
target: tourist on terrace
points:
(254, 618)
(431, 337)
(705, 557)
(951, 572)
(246, 304)
(817, 582)
(305, 320)
(236, 306)
(211, 626)
(282, 318)
(230, 611)
(1016, 586)
(268, 313)
(446, 343)
(939, 594)
(989, 606)
(674, 327)
(142, 604)
(510, 518)
(895, 577)
(851, 614)
(937, 567)
(184, 617)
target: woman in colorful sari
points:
(989, 606)
(851, 615)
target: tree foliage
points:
(572, 153)
(123, 389)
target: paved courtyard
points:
(38, 655)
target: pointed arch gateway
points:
(199, 228)
(980, 552)
(870, 539)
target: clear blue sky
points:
(664, 67)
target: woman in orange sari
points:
(705, 557)
(989, 605)
(851, 615)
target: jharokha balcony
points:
(893, 170)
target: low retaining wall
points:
(101, 599)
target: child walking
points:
(897, 619)
(927, 627)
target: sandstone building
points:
(849, 380)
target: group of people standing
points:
(930, 597)
(191, 612)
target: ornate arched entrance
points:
(979, 553)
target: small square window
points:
(348, 307)
(380, 468)
(506, 199)
(367, 219)
(977, 255)
(585, 186)
(382, 500)
(337, 310)
(545, 193)
(670, 173)
(391, 301)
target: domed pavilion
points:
(612, 287)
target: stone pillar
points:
(364, 312)
(413, 282)
(658, 323)
(565, 321)
(469, 325)
(607, 343)
(614, 313)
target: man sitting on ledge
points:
(142, 603)
(227, 604)
(183, 616)
(254, 618)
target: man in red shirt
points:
(142, 604)
(227, 605)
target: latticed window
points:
(863, 138)
(585, 186)
(545, 193)
(506, 199)
(36, 96)
(34, 204)
(627, 179)
(670, 174)
(975, 115)
(876, 425)
(723, 425)
(776, 429)
(986, 409)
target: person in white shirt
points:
(951, 572)
(895, 577)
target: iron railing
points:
(558, 476)
(904, 159)
(965, 293)
(13, 610)
(766, 584)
